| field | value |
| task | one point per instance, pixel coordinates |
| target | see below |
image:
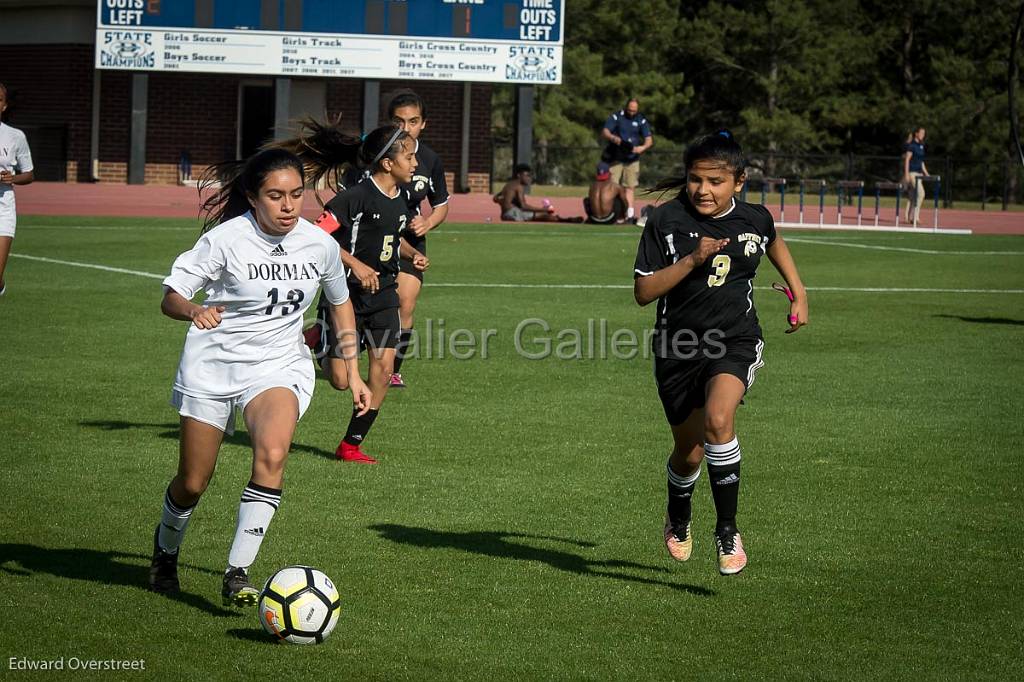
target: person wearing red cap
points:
(606, 202)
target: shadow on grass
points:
(172, 430)
(985, 320)
(106, 568)
(504, 546)
(255, 635)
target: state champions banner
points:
(518, 41)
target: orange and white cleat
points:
(678, 545)
(353, 453)
(731, 557)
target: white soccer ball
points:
(300, 605)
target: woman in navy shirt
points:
(913, 170)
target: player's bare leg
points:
(683, 472)
(409, 288)
(197, 447)
(5, 250)
(722, 451)
(270, 419)
(382, 365)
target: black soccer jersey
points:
(369, 223)
(718, 296)
(427, 183)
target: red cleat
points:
(352, 453)
(311, 336)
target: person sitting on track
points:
(515, 207)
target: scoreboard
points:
(509, 41)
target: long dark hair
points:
(327, 152)
(719, 146)
(233, 182)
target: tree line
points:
(817, 76)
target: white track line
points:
(91, 266)
(904, 249)
(823, 240)
(115, 228)
(490, 285)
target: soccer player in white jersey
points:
(260, 268)
(15, 169)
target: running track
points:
(60, 199)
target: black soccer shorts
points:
(682, 383)
(379, 329)
(406, 266)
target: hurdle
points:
(879, 186)
(850, 185)
(820, 184)
(844, 193)
(781, 184)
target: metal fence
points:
(995, 183)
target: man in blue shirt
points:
(913, 170)
(629, 135)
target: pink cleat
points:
(353, 453)
(731, 557)
(679, 548)
(396, 381)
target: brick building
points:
(80, 124)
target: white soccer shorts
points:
(220, 412)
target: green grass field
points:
(513, 527)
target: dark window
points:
(257, 117)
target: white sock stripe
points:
(250, 495)
(721, 448)
(171, 510)
(174, 509)
(712, 454)
(253, 491)
(723, 462)
(722, 454)
(682, 481)
(272, 503)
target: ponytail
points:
(324, 150)
(231, 183)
